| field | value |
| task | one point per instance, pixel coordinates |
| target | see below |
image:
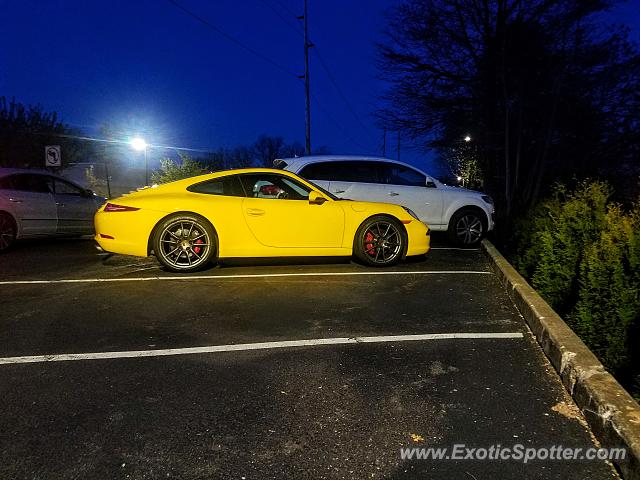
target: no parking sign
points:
(52, 156)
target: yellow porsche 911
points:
(255, 212)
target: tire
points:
(185, 243)
(380, 241)
(8, 232)
(467, 227)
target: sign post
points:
(52, 156)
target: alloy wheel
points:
(469, 229)
(185, 244)
(382, 242)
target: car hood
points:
(459, 191)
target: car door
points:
(409, 187)
(30, 199)
(278, 213)
(75, 209)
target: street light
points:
(467, 138)
(139, 144)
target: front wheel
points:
(380, 241)
(184, 243)
(467, 227)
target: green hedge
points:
(581, 252)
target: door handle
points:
(339, 191)
(15, 200)
(256, 212)
(393, 194)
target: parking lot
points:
(112, 368)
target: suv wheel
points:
(467, 227)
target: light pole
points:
(139, 144)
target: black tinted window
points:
(65, 188)
(6, 183)
(28, 182)
(395, 174)
(350, 171)
(229, 186)
(320, 171)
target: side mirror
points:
(316, 198)
(87, 192)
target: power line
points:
(291, 12)
(336, 123)
(339, 90)
(232, 39)
(276, 64)
(293, 26)
(323, 64)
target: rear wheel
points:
(185, 243)
(8, 231)
(467, 227)
(380, 241)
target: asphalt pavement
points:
(111, 367)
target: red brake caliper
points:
(368, 246)
(198, 249)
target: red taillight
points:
(112, 207)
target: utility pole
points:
(307, 45)
(384, 143)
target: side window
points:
(395, 174)
(358, 171)
(7, 183)
(320, 171)
(65, 188)
(271, 186)
(28, 182)
(229, 186)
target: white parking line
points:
(65, 357)
(456, 248)
(249, 275)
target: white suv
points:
(465, 214)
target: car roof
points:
(4, 171)
(296, 163)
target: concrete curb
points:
(612, 414)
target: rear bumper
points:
(126, 233)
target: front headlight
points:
(411, 212)
(487, 199)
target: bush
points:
(554, 236)
(582, 254)
(607, 313)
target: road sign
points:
(52, 156)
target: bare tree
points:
(542, 90)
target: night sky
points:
(147, 65)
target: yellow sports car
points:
(255, 212)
